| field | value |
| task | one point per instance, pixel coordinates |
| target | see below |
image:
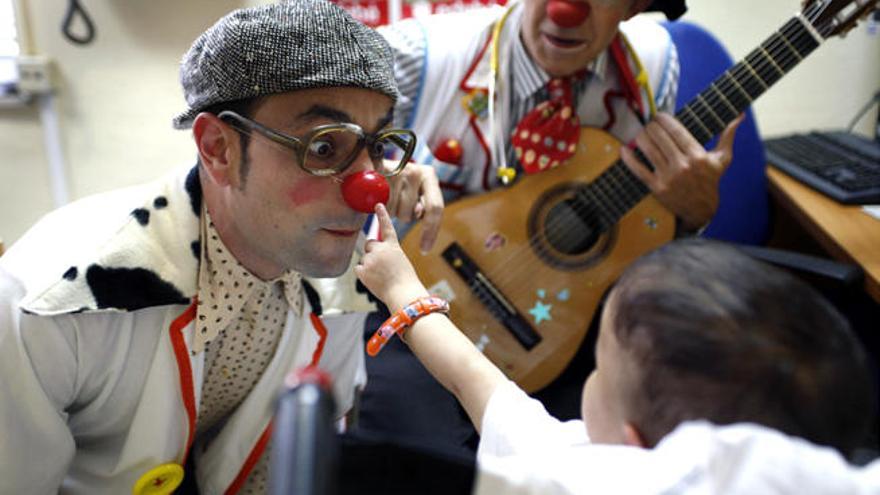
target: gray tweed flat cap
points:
(282, 47)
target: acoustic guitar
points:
(525, 267)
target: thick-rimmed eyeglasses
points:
(330, 149)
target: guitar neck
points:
(732, 92)
(618, 190)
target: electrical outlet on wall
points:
(34, 75)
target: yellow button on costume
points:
(161, 480)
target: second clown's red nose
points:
(567, 13)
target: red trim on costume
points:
(463, 84)
(251, 461)
(184, 370)
(631, 92)
(260, 446)
(473, 120)
(612, 117)
(630, 85)
(322, 334)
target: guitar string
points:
(760, 70)
(777, 40)
(711, 98)
(749, 98)
(608, 195)
(712, 103)
(609, 190)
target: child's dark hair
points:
(718, 335)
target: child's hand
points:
(385, 269)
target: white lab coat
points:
(97, 385)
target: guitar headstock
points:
(833, 17)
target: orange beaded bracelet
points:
(403, 319)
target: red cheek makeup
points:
(307, 191)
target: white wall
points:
(116, 96)
(826, 90)
(115, 100)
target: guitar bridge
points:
(491, 296)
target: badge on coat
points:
(476, 103)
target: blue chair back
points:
(743, 211)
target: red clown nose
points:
(567, 13)
(364, 189)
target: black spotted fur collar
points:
(151, 259)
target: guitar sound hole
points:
(571, 230)
(566, 230)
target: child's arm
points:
(446, 352)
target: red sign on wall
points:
(375, 13)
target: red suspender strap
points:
(630, 85)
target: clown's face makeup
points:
(563, 51)
(281, 217)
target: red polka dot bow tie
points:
(548, 134)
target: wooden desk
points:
(846, 232)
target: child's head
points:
(698, 330)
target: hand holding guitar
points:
(685, 176)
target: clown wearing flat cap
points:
(145, 333)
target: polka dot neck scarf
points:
(548, 134)
(239, 322)
(226, 288)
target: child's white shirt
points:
(523, 450)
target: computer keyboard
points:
(842, 165)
